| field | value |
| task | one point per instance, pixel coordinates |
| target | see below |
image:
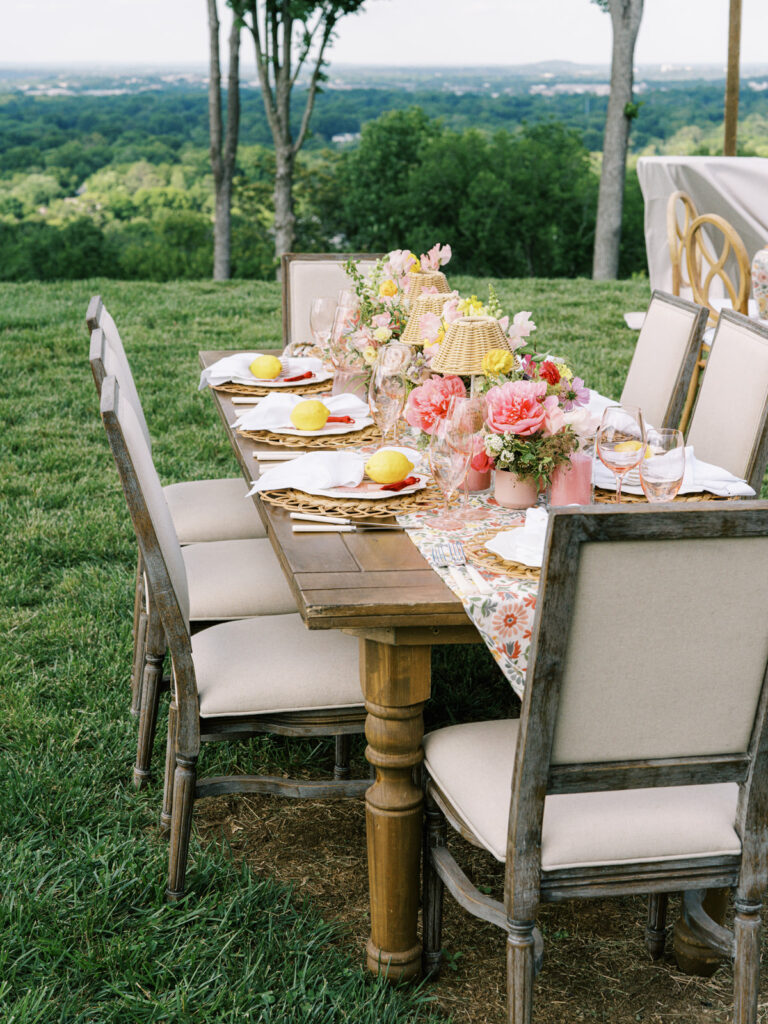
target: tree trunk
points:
(285, 219)
(223, 151)
(625, 17)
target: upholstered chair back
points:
(159, 544)
(108, 358)
(308, 276)
(664, 358)
(728, 425)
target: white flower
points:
(382, 334)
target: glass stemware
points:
(344, 324)
(322, 313)
(448, 461)
(386, 398)
(621, 441)
(663, 468)
(464, 420)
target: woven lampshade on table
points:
(465, 343)
(422, 279)
(419, 306)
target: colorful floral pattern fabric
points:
(504, 619)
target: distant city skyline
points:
(428, 33)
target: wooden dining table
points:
(378, 587)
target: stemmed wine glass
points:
(322, 313)
(465, 419)
(344, 323)
(448, 459)
(386, 398)
(621, 441)
(663, 468)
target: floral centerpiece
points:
(536, 414)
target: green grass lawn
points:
(86, 936)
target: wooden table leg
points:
(396, 683)
(693, 956)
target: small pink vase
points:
(572, 483)
(477, 480)
(512, 491)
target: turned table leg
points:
(396, 683)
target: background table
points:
(736, 187)
(377, 587)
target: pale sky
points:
(387, 32)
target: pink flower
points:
(437, 257)
(430, 325)
(381, 320)
(451, 310)
(516, 407)
(554, 420)
(398, 262)
(428, 403)
(522, 325)
(431, 290)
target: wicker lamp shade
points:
(419, 306)
(426, 279)
(465, 343)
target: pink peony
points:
(428, 403)
(554, 419)
(381, 320)
(516, 407)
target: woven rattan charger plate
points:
(479, 555)
(257, 391)
(353, 508)
(328, 442)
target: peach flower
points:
(554, 418)
(516, 407)
(428, 403)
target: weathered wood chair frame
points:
(290, 258)
(536, 775)
(756, 459)
(698, 255)
(187, 730)
(639, 393)
(676, 235)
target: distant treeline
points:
(121, 185)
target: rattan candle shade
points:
(465, 343)
(427, 279)
(419, 306)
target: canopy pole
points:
(732, 81)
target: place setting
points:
(256, 374)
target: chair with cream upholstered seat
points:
(227, 579)
(664, 357)
(233, 680)
(311, 275)
(729, 424)
(638, 764)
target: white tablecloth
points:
(736, 187)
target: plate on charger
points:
(367, 490)
(328, 430)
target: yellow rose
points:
(369, 355)
(498, 360)
(382, 334)
(388, 288)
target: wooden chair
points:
(681, 212)
(729, 425)
(663, 360)
(202, 510)
(308, 275)
(227, 579)
(639, 762)
(714, 252)
(234, 680)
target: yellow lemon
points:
(388, 467)
(266, 367)
(632, 446)
(310, 415)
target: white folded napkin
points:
(699, 476)
(599, 403)
(635, 320)
(524, 544)
(235, 368)
(275, 411)
(318, 470)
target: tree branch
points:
(329, 26)
(214, 91)
(306, 47)
(233, 97)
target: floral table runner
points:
(503, 618)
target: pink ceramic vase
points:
(512, 491)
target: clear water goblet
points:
(663, 468)
(386, 398)
(621, 441)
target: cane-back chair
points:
(666, 351)
(639, 762)
(310, 275)
(234, 680)
(228, 579)
(729, 425)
